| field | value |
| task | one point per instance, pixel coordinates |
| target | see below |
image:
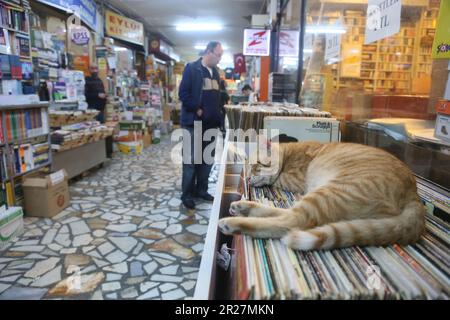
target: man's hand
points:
(102, 95)
(199, 112)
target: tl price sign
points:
(383, 19)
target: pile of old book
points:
(267, 269)
(251, 116)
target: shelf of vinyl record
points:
(389, 64)
(24, 146)
(267, 269)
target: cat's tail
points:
(404, 228)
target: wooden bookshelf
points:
(391, 64)
(23, 128)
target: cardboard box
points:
(304, 129)
(130, 147)
(46, 195)
(442, 129)
(11, 224)
(132, 125)
(147, 139)
(166, 112)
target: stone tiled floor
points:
(125, 236)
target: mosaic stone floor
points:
(125, 236)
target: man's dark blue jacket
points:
(190, 94)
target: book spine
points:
(8, 125)
(2, 138)
(13, 125)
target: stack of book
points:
(267, 269)
(76, 135)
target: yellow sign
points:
(441, 44)
(124, 29)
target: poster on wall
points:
(81, 63)
(123, 28)
(256, 42)
(289, 40)
(441, 43)
(383, 19)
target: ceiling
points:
(162, 16)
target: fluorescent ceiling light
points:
(120, 49)
(325, 29)
(203, 47)
(199, 27)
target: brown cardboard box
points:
(166, 112)
(46, 195)
(147, 138)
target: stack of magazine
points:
(267, 269)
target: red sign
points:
(256, 42)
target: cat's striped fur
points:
(353, 195)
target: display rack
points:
(216, 282)
(25, 146)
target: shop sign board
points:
(289, 40)
(87, 10)
(383, 19)
(441, 43)
(79, 35)
(256, 42)
(125, 29)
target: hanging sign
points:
(441, 43)
(79, 35)
(85, 9)
(333, 45)
(123, 28)
(383, 19)
(256, 42)
(289, 40)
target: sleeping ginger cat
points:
(352, 195)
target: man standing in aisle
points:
(200, 96)
(94, 90)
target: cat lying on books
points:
(352, 195)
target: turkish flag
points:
(239, 63)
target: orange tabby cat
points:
(352, 195)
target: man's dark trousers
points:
(195, 170)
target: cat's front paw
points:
(242, 208)
(228, 226)
(259, 180)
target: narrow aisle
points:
(126, 234)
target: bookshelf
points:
(24, 147)
(15, 47)
(391, 64)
